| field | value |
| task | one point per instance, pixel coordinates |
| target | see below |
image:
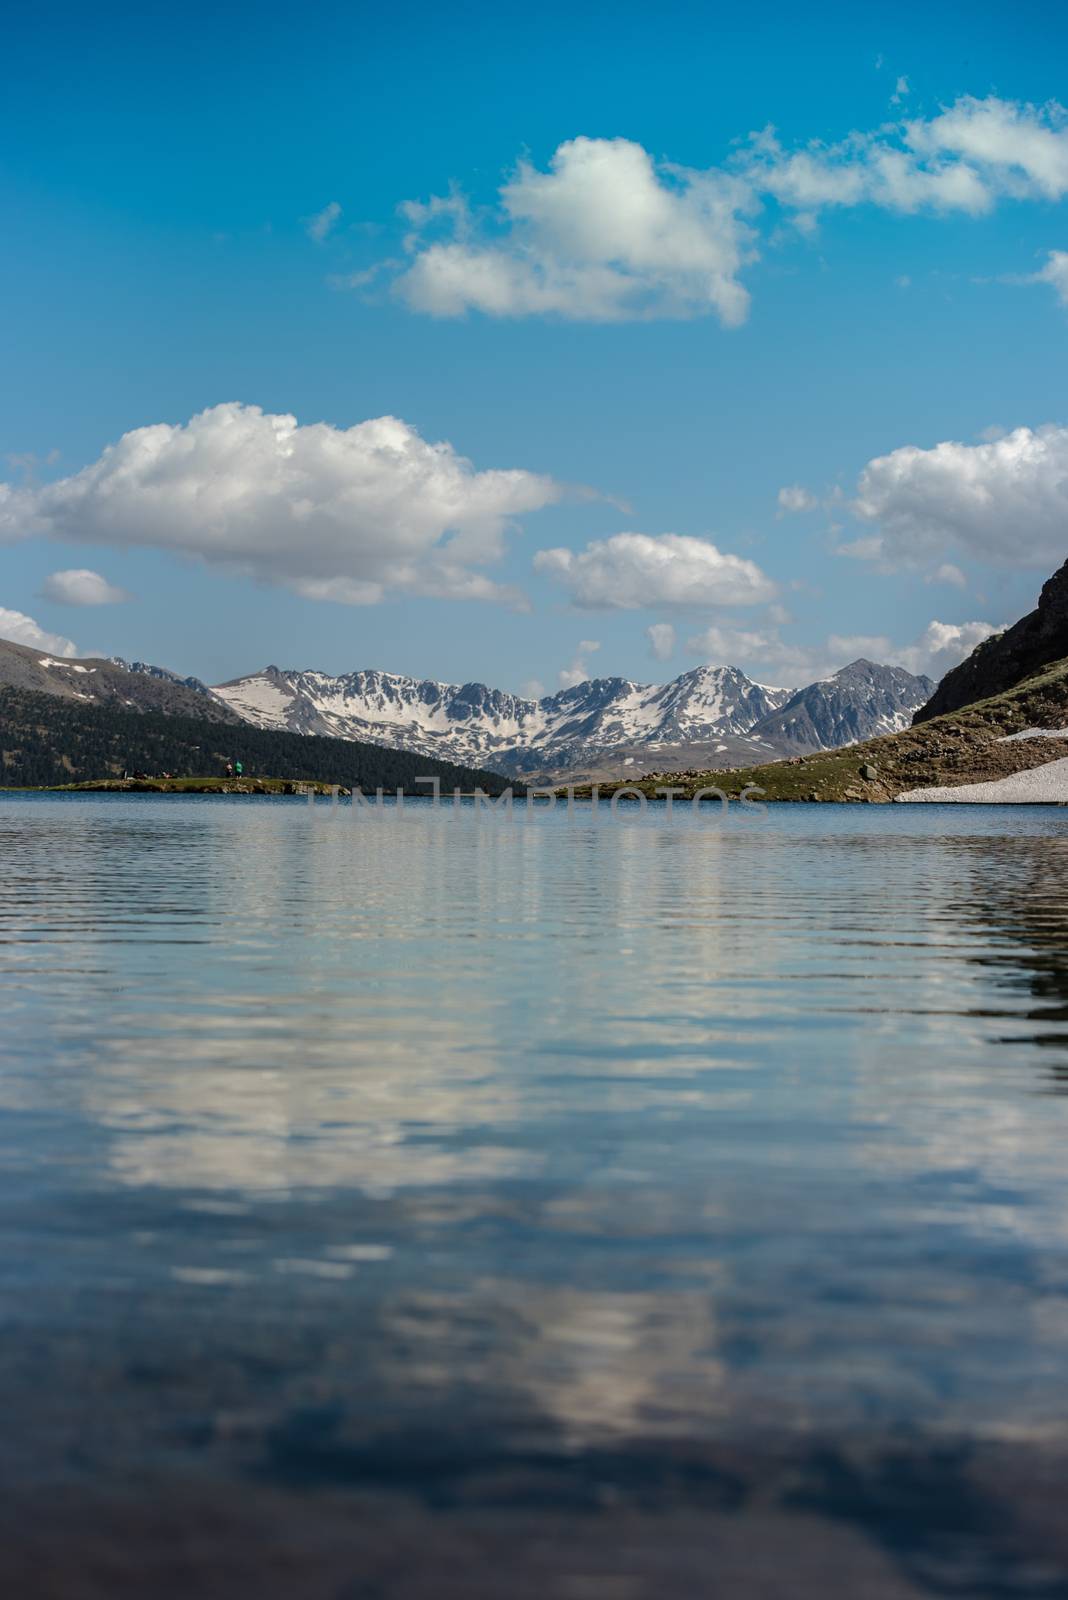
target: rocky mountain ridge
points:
(1037, 640)
(861, 701)
(109, 681)
(709, 716)
(713, 715)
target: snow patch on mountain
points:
(709, 715)
(474, 723)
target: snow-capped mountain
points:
(517, 735)
(144, 669)
(710, 716)
(706, 718)
(861, 701)
(497, 729)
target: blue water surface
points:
(431, 1202)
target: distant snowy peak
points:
(406, 713)
(161, 674)
(700, 711)
(473, 722)
(712, 701)
(861, 701)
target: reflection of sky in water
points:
(616, 1131)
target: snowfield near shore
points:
(1045, 785)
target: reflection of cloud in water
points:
(774, 1167)
(594, 1363)
(373, 1113)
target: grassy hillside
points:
(45, 740)
(961, 747)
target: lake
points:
(432, 1204)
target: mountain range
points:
(710, 717)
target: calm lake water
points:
(427, 1205)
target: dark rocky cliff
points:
(1007, 658)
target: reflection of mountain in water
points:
(1019, 898)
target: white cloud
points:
(349, 514)
(941, 646)
(864, 169)
(632, 570)
(964, 159)
(1021, 150)
(901, 91)
(1055, 273)
(661, 637)
(607, 234)
(578, 672)
(532, 689)
(78, 586)
(797, 498)
(948, 573)
(323, 222)
(1004, 500)
(21, 629)
(870, 548)
(746, 647)
(762, 651)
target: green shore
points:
(270, 786)
(279, 787)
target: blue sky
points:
(161, 174)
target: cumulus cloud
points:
(578, 672)
(864, 169)
(1054, 273)
(939, 647)
(78, 586)
(609, 233)
(661, 637)
(323, 222)
(1004, 500)
(797, 498)
(965, 159)
(751, 648)
(348, 514)
(763, 650)
(948, 573)
(631, 570)
(21, 629)
(942, 645)
(1020, 150)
